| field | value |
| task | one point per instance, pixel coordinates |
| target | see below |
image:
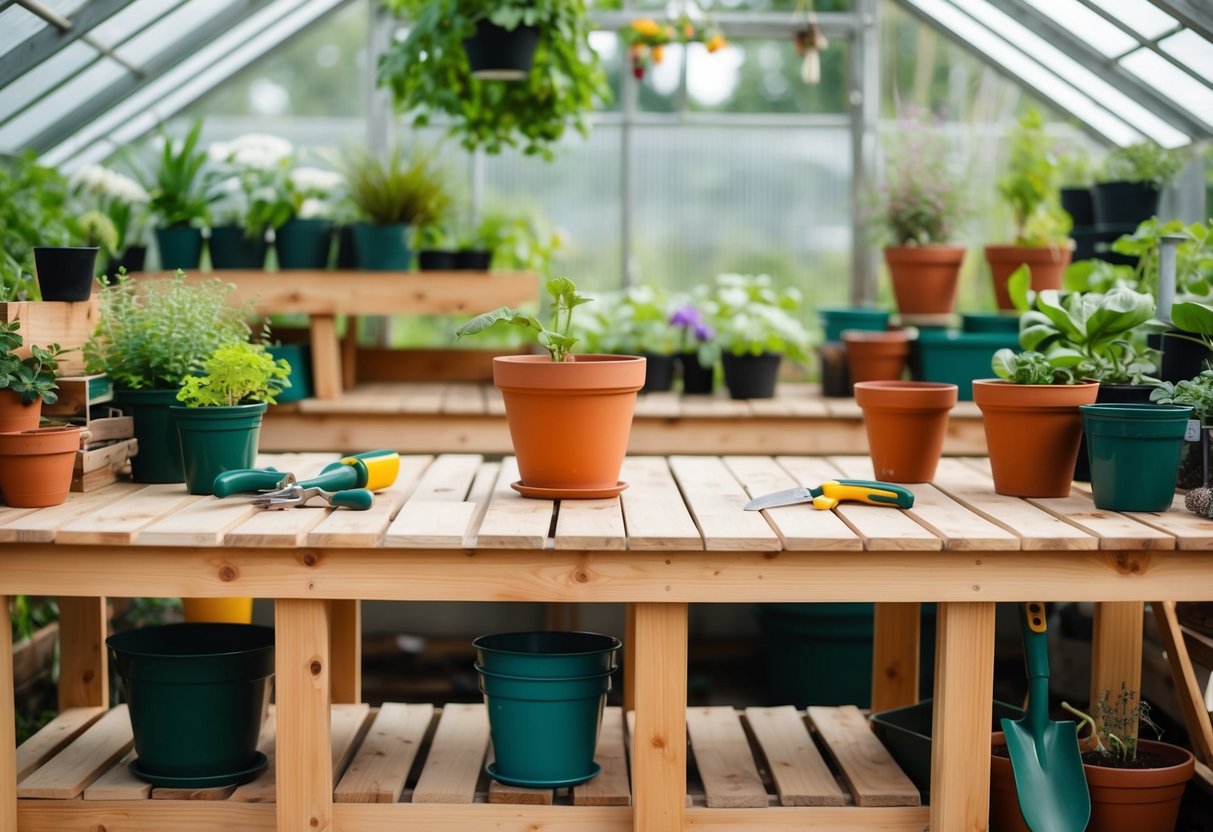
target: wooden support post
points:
(304, 757)
(345, 651)
(659, 746)
(83, 661)
(895, 655)
(1191, 697)
(1116, 642)
(349, 353)
(8, 730)
(326, 357)
(629, 659)
(964, 700)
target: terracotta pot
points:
(925, 278)
(906, 422)
(569, 421)
(16, 414)
(1032, 433)
(876, 356)
(1122, 800)
(1047, 264)
(36, 466)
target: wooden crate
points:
(48, 322)
(77, 394)
(99, 464)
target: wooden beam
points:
(659, 745)
(1116, 643)
(83, 658)
(304, 761)
(895, 652)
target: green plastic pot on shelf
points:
(159, 456)
(217, 439)
(1134, 454)
(957, 357)
(835, 319)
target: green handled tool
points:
(358, 499)
(829, 494)
(367, 472)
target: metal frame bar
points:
(37, 48)
(864, 96)
(1186, 12)
(1145, 42)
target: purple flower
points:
(704, 332)
(687, 316)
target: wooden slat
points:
(424, 397)
(303, 765)
(119, 783)
(119, 523)
(610, 787)
(456, 756)
(464, 399)
(67, 774)
(801, 775)
(1192, 530)
(659, 406)
(1115, 531)
(277, 527)
(1037, 530)
(654, 512)
(1188, 691)
(722, 755)
(202, 523)
(368, 528)
(513, 521)
(438, 525)
(713, 407)
(211, 793)
(53, 737)
(870, 773)
(800, 527)
(28, 526)
(716, 498)
(590, 524)
(448, 478)
(381, 767)
(516, 795)
(262, 790)
(347, 724)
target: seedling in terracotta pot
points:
(31, 378)
(1031, 367)
(556, 339)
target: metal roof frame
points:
(42, 45)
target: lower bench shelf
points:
(765, 768)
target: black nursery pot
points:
(473, 260)
(1109, 394)
(1077, 202)
(658, 373)
(66, 273)
(1181, 358)
(498, 54)
(697, 380)
(1119, 204)
(751, 376)
(132, 260)
(436, 259)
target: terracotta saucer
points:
(569, 493)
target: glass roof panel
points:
(1087, 25)
(131, 19)
(18, 133)
(16, 26)
(28, 86)
(64, 7)
(1192, 51)
(1172, 82)
(1142, 16)
(172, 30)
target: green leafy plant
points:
(237, 373)
(751, 317)
(154, 333)
(1030, 185)
(1115, 727)
(921, 199)
(1146, 162)
(633, 321)
(557, 338)
(29, 614)
(33, 212)
(252, 172)
(1196, 393)
(1031, 367)
(181, 188)
(407, 189)
(428, 73)
(31, 378)
(120, 198)
(95, 228)
(520, 237)
(1074, 169)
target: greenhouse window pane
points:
(1087, 25)
(1191, 50)
(172, 31)
(16, 26)
(64, 7)
(50, 72)
(763, 76)
(18, 133)
(1142, 16)
(131, 19)
(1172, 82)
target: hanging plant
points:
(810, 43)
(646, 38)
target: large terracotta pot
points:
(1047, 265)
(1032, 433)
(36, 466)
(569, 421)
(906, 422)
(16, 414)
(925, 278)
(876, 356)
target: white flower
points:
(258, 150)
(313, 209)
(315, 180)
(219, 151)
(107, 183)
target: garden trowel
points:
(829, 494)
(1049, 777)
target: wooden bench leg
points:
(345, 649)
(1191, 698)
(895, 655)
(326, 357)
(964, 700)
(83, 658)
(659, 748)
(629, 660)
(8, 730)
(304, 758)
(1116, 642)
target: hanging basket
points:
(499, 54)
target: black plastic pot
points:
(835, 371)
(66, 273)
(233, 248)
(304, 244)
(436, 259)
(347, 252)
(658, 373)
(473, 260)
(697, 380)
(1119, 204)
(1078, 203)
(1181, 358)
(132, 260)
(751, 376)
(1109, 394)
(499, 54)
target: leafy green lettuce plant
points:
(1145, 161)
(1031, 367)
(558, 338)
(31, 378)
(1196, 393)
(1030, 186)
(237, 373)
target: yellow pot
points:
(218, 610)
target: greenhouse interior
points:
(592, 416)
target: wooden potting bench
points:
(451, 529)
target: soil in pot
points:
(66, 273)
(36, 466)
(180, 247)
(751, 376)
(876, 356)
(498, 54)
(382, 248)
(697, 380)
(925, 278)
(304, 244)
(658, 372)
(16, 414)
(216, 439)
(233, 248)
(906, 422)
(1032, 433)
(159, 456)
(1134, 454)
(1045, 264)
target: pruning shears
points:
(347, 482)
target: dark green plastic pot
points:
(957, 357)
(159, 456)
(197, 695)
(1109, 394)
(835, 320)
(1134, 453)
(217, 439)
(989, 322)
(544, 731)
(547, 654)
(382, 247)
(180, 247)
(304, 244)
(232, 247)
(299, 356)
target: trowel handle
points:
(1035, 643)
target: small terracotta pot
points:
(36, 466)
(1032, 433)
(925, 278)
(16, 414)
(876, 356)
(1047, 264)
(906, 422)
(569, 421)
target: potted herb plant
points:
(756, 327)
(1196, 393)
(219, 419)
(25, 382)
(1030, 188)
(1130, 185)
(305, 240)
(920, 203)
(154, 333)
(389, 195)
(1032, 422)
(429, 73)
(569, 415)
(250, 172)
(635, 321)
(697, 349)
(182, 191)
(124, 201)
(519, 237)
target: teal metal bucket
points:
(547, 654)
(1134, 453)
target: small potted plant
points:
(519, 237)
(219, 419)
(306, 238)
(569, 415)
(755, 329)
(920, 203)
(34, 211)
(436, 248)
(1130, 185)
(250, 170)
(636, 321)
(182, 191)
(26, 381)
(125, 202)
(697, 349)
(1030, 188)
(152, 335)
(1196, 393)
(1032, 422)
